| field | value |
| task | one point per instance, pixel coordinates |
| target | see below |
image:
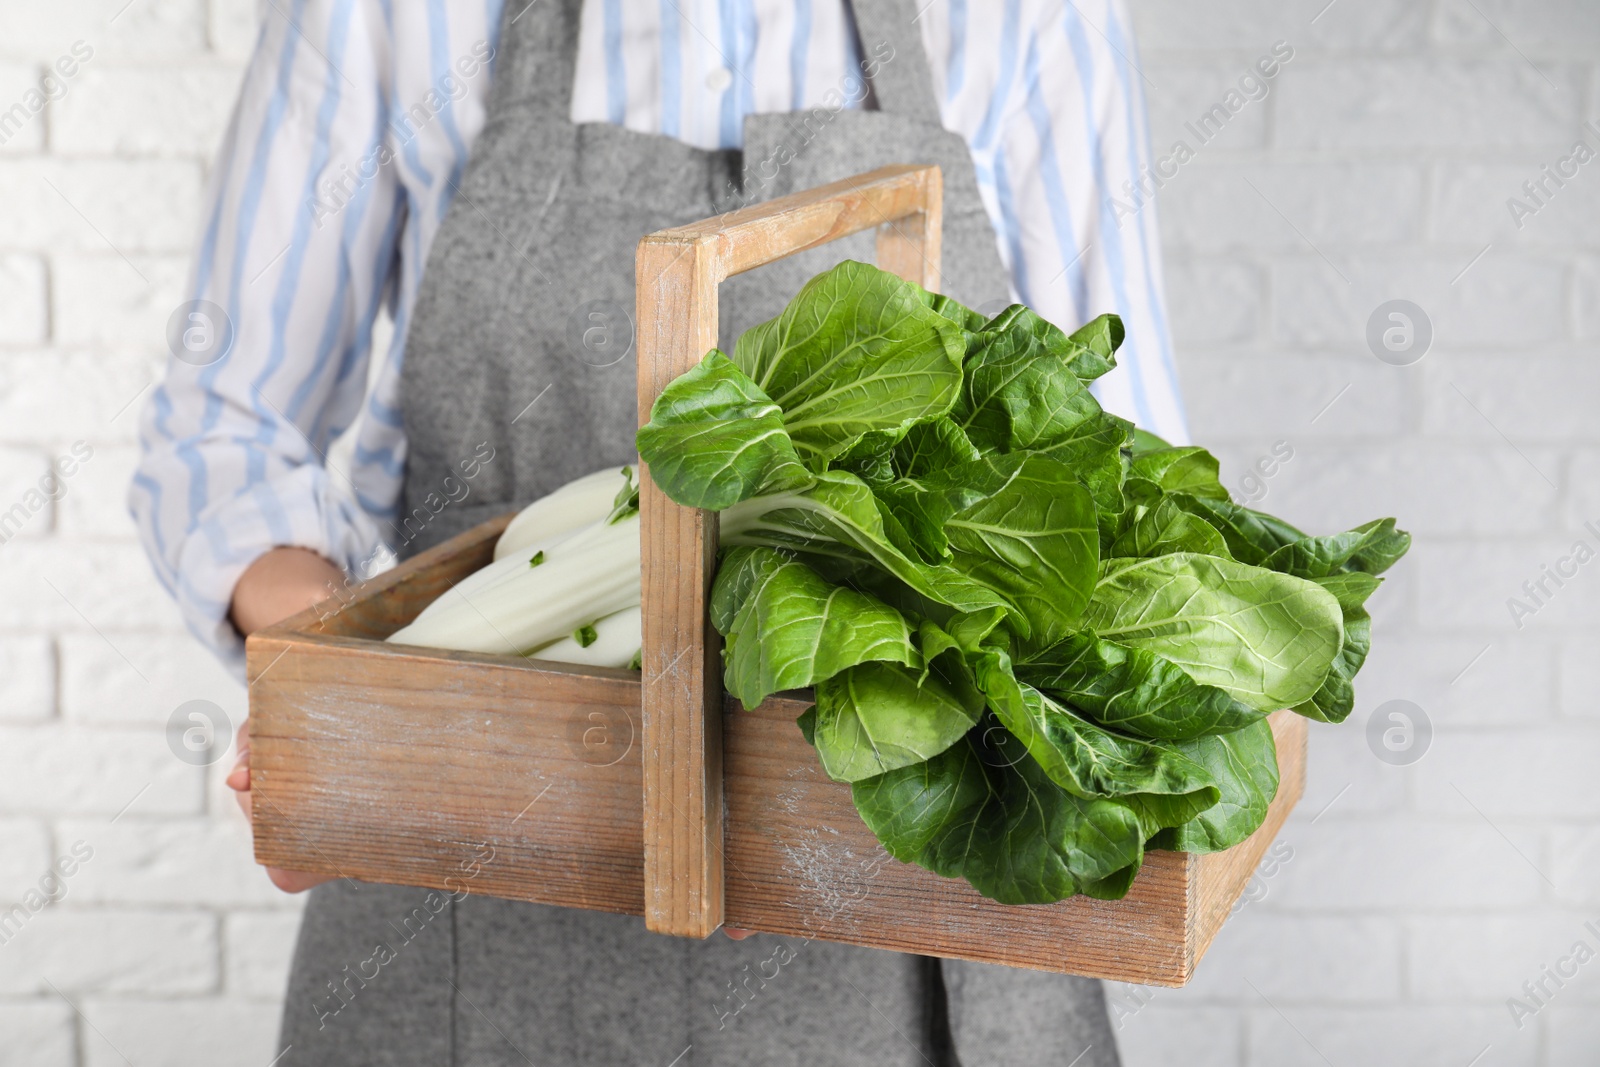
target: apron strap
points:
(539, 42)
(904, 84)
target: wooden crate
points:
(607, 789)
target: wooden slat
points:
(678, 274)
(682, 671)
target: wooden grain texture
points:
(521, 779)
(682, 670)
(678, 271)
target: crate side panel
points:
(378, 764)
(801, 862)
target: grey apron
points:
(538, 242)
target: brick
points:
(174, 861)
(134, 111)
(213, 1031)
(259, 947)
(1412, 105)
(1472, 201)
(1212, 205)
(1212, 301)
(25, 130)
(1300, 959)
(1507, 680)
(106, 299)
(1568, 26)
(1578, 679)
(25, 856)
(1499, 572)
(95, 504)
(135, 205)
(25, 506)
(1294, 398)
(232, 27)
(1185, 92)
(1574, 1034)
(63, 770)
(1487, 958)
(1161, 1034)
(24, 300)
(74, 395)
(1396, 1034)
(1493, 491)
(38, 1034)
(111, 951)
(148, 29)
(104, 587)
(28, 664)
(1255, 24)
(1508, 774)
(1505, 299)
(1586, 286)
(1369, 865)
(1342, 776)
(1583, 495)
(98, 685)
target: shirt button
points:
(719, 80)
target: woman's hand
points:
(277, 585)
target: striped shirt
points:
(353, 125)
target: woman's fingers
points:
(239, 781)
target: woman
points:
(359, 125)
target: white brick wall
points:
(1419, 898)
(169, 943)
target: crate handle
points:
(678, 272)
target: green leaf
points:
(1334, 701)
(876, 717)
(856, 351)
(1245, 766)
(932, 446)
(983, 810)
(626, 503)
(786, 628)
(1252, 536)
(1267, 639)
(585, 636)
(1145, 441)
(841, 518)
(1371, 548)
(1181, 470)
(1023, 526)
(1350, 588)
(954, 310)
(1165, 528)
(1018, 395)
(714, 438)
(1089, 761)
(1100, 338)
(1093, 450)
(1133, 690)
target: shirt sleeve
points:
(1049, 97)
(270, 353)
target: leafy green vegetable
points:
(1244, 764)
(1041, 639)
(714, 438)
(876, 717)
(787, 628)
(1134, 690)
(856, 351)
(1265, 638)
